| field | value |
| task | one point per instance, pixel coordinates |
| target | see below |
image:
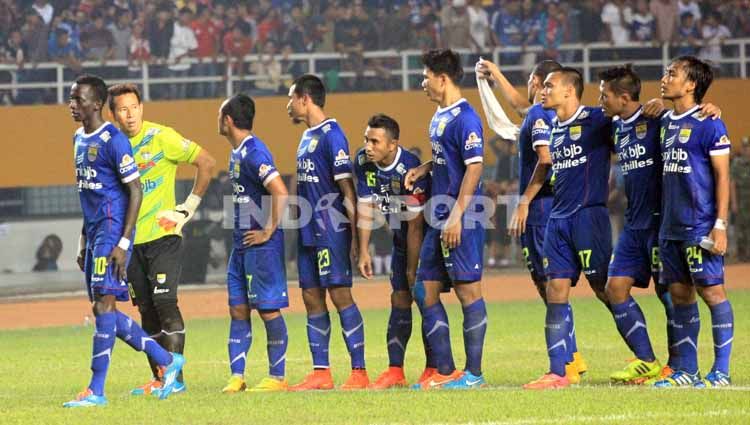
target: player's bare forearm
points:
(543, 164)
(205, 164)
(720, 165)
(279, 198)
(468, 185)
(510, 94)
(414, 234)
(364, 224)
(350, 203)
(135, 196)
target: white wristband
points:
(720, 224)
(192, 202)
(124, 244)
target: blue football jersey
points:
(385, 187)
(580, 152)
(322, 160)
(639, 157)
(251, 168)
(536, 130)
(689, 198)
(456, 139)
(104, 164)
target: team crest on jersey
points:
(641, 129)
(161, 278)
(361, 159)
(312, 145)
(441, 126)
(575, 132)
(236, 170)
(684, 135)
(263, 170)
(145, 154)
(396, 184)
(92, 152)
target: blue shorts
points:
(532, 242)
(257, 277)
(100, 277)
(581, 242)
(637, 256)
(399, 281)
(323, 267)
(461, 264)
(686, 262)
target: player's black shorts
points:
(154, 270)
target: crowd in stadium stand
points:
(166, 32)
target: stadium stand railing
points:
(401, 66)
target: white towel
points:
(496, 117)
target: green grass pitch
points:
(42, 368)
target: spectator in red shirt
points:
(207, 35)
(237, 45)
(139, 51)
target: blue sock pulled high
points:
(674, 355)
(353, 330)
(104, 342)
(277, 340)
(428, 356)
(240, 338)
(556, 333)
(130, 332)
(398, 334)
(571, 342)
(475, 328)
(319, 338)
(687, 325)
(722, 325)
(632, 327)
(438, 338)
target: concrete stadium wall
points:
(37, 139)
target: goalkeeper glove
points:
(175, 219)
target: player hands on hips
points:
(256, 273)
(693, 235)
(108, 176)
(326, 243)
(156, 263)
(451, 253)
(380, 167)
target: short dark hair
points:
(386, 123)
(97, 85)
(699, 72)
(121, 89)
(312, 86)
(446, 62)
(241, 108)
(546, 67)
(623, 79)
(573, 77)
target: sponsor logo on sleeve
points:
(341, 158)
(723, 141)
(186, 144)
(473, 141)
(263, 170)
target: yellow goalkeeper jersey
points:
(158, 150)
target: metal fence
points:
(395, 70)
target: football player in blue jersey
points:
(529, 221)
(380, 168)
(452, 251)
(110, 194)
(693, 235)
(636, 257)
(256, 275)
(578, 236)
(325, 184)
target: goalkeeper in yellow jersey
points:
(154, 270)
